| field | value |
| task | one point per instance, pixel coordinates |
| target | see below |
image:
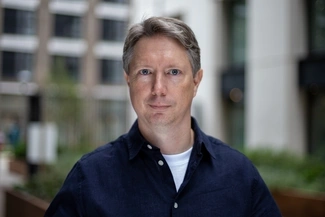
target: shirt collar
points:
(135, 140)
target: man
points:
(165, 165)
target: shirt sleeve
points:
(263, 204)
(67, 202)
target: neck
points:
(170, 140)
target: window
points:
(112, 119)
(113, 30)
(316, 96)
(69, 65)
(117, 1)
(19, 22)
(234, 75)
(235, 119)
(111, 72)
(237, 31)
(317, 26)
(67, 26)
(317, 121)
(13, 63)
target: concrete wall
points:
(274, 106)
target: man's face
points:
(161, 81)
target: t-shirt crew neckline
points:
(178, 165)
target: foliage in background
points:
(63, 105)
(282, 170)
(47, 182)
(19, 151)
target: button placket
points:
(160, 163)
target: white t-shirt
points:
(178, 165)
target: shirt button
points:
(160, 162)
(149, 146)
(175, 205)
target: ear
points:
(197, 80)
(127, 78)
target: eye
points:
(144, 72)
(174, 72)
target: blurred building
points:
(264, 69)
(263, 61)
(87, 36)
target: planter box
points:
(294, 203)
(20, 204)
(21, 167)
(18, 166)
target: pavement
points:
(7, 179)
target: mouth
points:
(159, 107)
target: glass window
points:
(237, 31)
(236, 12)
(111, 72)
(112, 119)
(67, 26)
(14, 62)
(317, 26)
(317, 140)
(236, 125)
(113, 30)
(19, 22)
(69, 65)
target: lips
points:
(159, 107)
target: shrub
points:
(279, 170)
(284, 170)
(19, 151)
(47, 182)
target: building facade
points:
(263, 62)
(87, 37)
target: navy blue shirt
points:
(129, 178)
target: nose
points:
(159, 85)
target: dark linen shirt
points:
(130, 177)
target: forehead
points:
(159, 46)
(159, 39)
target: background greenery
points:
(47, 182)
(280, 170)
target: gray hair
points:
(169, 27)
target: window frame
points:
(18, 61)
(70, 29)
(19, 22)
(119, 30)
(116, 70)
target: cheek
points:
(137, 92)
(187, 89)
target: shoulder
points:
(106, 153)
(228, 156)
(219, 148)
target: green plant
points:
(279, 170)
(19, 151)
(285, 170)
(63, 104)
(47, 182)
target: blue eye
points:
(144, 71)
(174, 72)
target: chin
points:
(159, 119)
